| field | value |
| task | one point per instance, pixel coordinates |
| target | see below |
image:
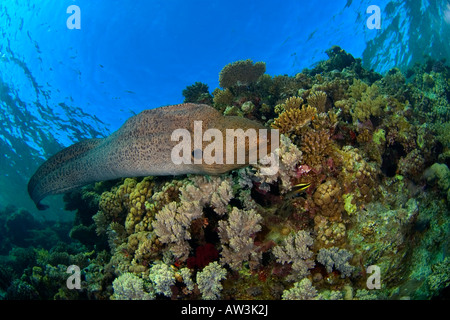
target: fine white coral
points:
(173, 221)
(302, 290)
(185, 273)
(172, 224)
(213, 190)
(296, 250)
(130, 287)
(237, 237)
(335, 258)
(289, 158)
(163, 278)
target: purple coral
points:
(335, 258)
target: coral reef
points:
(363, 181)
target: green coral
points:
(241, 73)
(349, 206)
(302, 290)
(130, 287)
(163, 278)
(208, 281)
(197, 93)
(379, 137)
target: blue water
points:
(60, 85)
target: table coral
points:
(241, 73)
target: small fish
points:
(297, 189)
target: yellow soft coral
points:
(316, 147)
(294, 118)
(364, 102)
(327, 199)
(318, 100)
(136, 203)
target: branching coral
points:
(296, 250)
(318, 100)
(302, 290)
(294, 118)
(130, 287)
(335, 258)
(237, 237)
(289, 158)
(316, 147)
(365, 101)
(208, 281)
(173, 221)
(241, 73)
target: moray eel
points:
(141, 147)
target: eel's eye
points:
(197, 154)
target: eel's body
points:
(141, 147)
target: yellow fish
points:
(298, 188)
